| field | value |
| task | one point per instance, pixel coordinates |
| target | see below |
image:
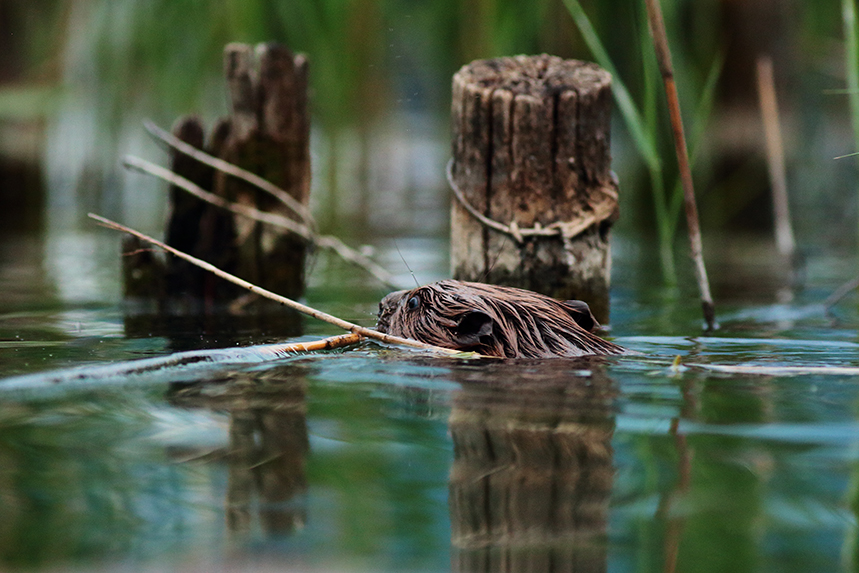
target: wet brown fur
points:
(493, 320)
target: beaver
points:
(493, 320)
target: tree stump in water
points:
(267, 133)
(531, 154)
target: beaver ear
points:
(472, 328)
(581, 313)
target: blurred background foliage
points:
(77, 77)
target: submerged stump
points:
(531, 156)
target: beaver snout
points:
(493, 320)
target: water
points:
(379, 459)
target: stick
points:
(663, 54)
(302, 230)
(324, 344)
(234, 170)
(775, 157)
(176, 367)
(345, 325)
(270, 218)
(840, 293)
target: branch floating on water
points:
(304, 309)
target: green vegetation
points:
(115, 62)
(645, 125)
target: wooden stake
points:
(531, 151)
(775, 157)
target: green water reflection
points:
(367, 461)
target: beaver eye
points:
(414, 302)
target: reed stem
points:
(775, 157)
(663, 55)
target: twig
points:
(226, 167)
(304, 309)
(663, 54)
(775, 156)
(300, 229)
(840, 293)
(270, 218)
(324, 344)
(350, 255)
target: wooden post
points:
(531, 152)
(266, 133)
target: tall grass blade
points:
(700, 122)
(631, 115)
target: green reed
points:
(646, 129)
(851, 64)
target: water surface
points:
(375, 459)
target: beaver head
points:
(493, 320)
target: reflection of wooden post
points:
(531, 148)
(268, 447)
(532, 474)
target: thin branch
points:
(663, 54)
(324, 241)
(350, 255)
(270, 218)
(840, 293)
(304, 309)
(324, 344)
(235, 171)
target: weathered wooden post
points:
(534, 194)
(266, 133)
(269, 134)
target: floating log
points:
(531, 155)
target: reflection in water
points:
(268, 446)
(532, 469)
